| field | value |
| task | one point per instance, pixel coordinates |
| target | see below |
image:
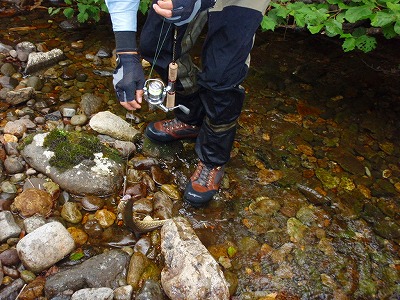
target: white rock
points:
(93, 294)
(45, 246)
(8, 227)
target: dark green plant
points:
(348, 20)
(87, 9)
(352, 21)
(71, 148)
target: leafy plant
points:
(351, 21)
(348, 20)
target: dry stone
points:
(190, 272)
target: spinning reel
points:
(155, 92)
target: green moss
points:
(25, 141)
(71, 148)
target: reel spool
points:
(155, 93)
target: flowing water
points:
(310, 204)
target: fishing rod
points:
(155, 90)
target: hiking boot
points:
(203, 184)
(171, 130)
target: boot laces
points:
(204, 174)
(172, 124)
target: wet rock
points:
(143, 163)
(101, 293)
(8, 83)
(159, 176)
(188, 265)
(35, 82)
(161, 150)
(33, 223)
(109, 124)
(33, 201)
(143, 245)
(163, 206)
(105, 217)
(20, 96)
(92, 203)
(172, 191)
(45, 246)
(8, 226)
(264, 206)
(80, 237)
(17, 128)
(137, 190)
(347, 161)
(11, 291)
(124, 293)
(9, 257)
(40, 60)
(140, 269)
(79, 120)
(296, 229)
(103, 52)
(13, 165)
(102, 176)
(7, 69)
(8, 187)
(104, 270)
(151, 290)
(34, 289)
(267, 176)
(4, 48)
(327, 179)
(24, 49)
(125, 148)
(70, 212)
(93, 228)
(91, 104)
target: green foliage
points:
(335, 18)
(71, 148)
(87, 9)
(348, 20)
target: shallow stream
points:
(310, 204)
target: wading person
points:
(213, 93)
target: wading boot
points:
(203, 184)
(171, 130)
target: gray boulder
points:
(104, 270)
(101, 176)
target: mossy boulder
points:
(75, 168)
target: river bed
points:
(310, 204)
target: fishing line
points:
(159, 47)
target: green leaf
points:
(68, 12)
(76, 255)
(388, 32)
(382, 18)
(231, 251)
(366, 43)
(393, 6)
(397, 27)
(267, 23)
(357, 13)
(349, 44)
(315, 28)
(333, 27)
(82, 17)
